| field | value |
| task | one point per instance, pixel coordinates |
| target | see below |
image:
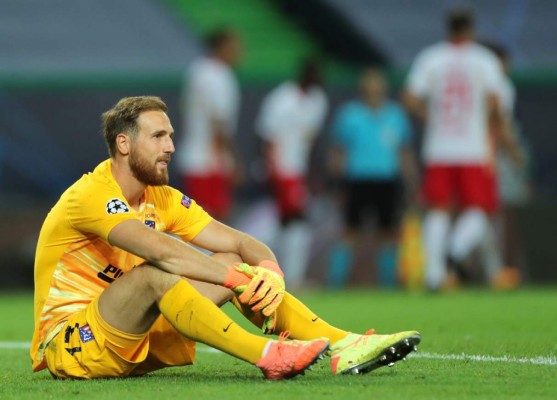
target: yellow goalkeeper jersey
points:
(74, 262)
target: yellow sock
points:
(294, 316)
(198, 318)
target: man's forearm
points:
(500, 125)
(415, 105)
(165, 252)
(253, 251)
(185, 260)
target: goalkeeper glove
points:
(238, 277)
(265, 291)
(271, 266)
(269, 322)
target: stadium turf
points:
(476, 344)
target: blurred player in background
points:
(290, 118)
(454, 86)
(372, 151)
(208, 160)
(513, 188)
(115, 296)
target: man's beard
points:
(146, 173)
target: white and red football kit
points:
(210, 94)
(289, 120)
(456, 79)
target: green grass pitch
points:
(513, 335)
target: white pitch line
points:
(541, 360)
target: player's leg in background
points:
(294, 252)
(387, 257)
(341, 257)
(500, 275)
(509, 276)
(295, 238)
(470, 228)
(436, 225)
(474, 228)
(388, 202)
(489, 252)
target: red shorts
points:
(213, 192)
(291, 195)
(461, 185)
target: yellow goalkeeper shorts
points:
(88, 347)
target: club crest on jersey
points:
(86, 334)
(116, 206)
(186, 201)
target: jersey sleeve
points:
(220, 99)
(322, 106)
(418, 78)
(493, 75)
(97, 209)
(508, 100)
(187, 218)
(268, 120)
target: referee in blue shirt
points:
(373, 155)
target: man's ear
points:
(123, 144)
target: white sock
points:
(490, 255)
(435, 231)
(266, 348)
(469, 230)
(295, 247)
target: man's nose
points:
(169, 147)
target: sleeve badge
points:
(186, 201)
(116, 206)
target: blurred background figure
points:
(79, 56)
(290, 118)
(454, 86)
(207, 155)
(372, 151)
(512, 186)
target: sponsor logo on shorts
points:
(85, 334)
(69, 331)
(73, 350)
(150, 223)
(116, 206)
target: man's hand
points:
(238, 277)
(269, 324)
(265, 291)
(271, 266)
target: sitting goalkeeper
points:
(116, 297)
